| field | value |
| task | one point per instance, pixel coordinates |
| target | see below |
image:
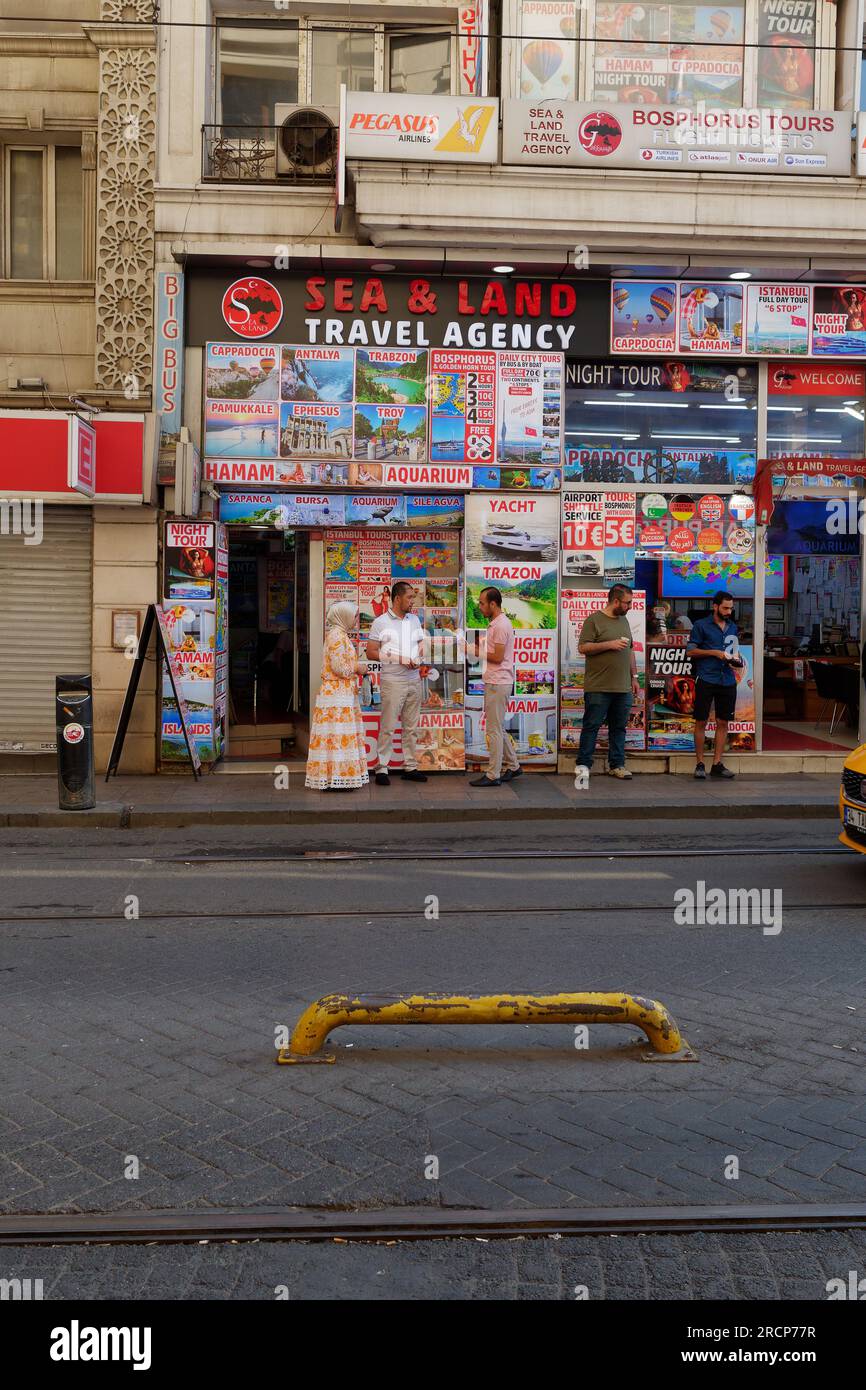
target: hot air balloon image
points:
(568, 26)
(662, 301)
(620, 298)
(543, 58)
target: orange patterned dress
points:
(337, 756)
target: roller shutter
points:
(46, 600)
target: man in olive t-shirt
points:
(610, 683)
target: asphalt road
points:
(152, 1036)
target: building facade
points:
(78, 550)
(514, 295)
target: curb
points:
(117, 816)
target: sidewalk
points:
(172, 801)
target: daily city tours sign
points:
(735, 140)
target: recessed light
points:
(856, 401)
(502, 269)
(259, 264)
(740, 275)
(382, 267)
(623, 394)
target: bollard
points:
(337, 1010)
(74, 715)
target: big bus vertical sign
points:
(168, 383)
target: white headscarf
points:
(341, 615)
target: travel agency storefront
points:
(546, 436)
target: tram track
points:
(236, 1224)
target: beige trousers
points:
(498, 742)
(400, 700)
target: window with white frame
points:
(43, 218)
(260, 65)
(667, 52)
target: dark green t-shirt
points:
(608, 671)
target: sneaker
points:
(382, 779)
(413, 775)
(719, 770)
(700, 772)
(485, 782)
(510, 775)
(621, 772)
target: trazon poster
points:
(512, 544)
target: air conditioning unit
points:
(306, 143)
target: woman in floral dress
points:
(337, 760)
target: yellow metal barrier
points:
(336, 1010)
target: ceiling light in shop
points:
(857, 401)
(788, 409)
(691, 435)
(804, 439)
(744, 406)
(646, 405)
(623, 394)
(855, 414)
(600, 434)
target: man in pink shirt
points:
(498, 670)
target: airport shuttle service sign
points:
(733, 140)
(381, 125)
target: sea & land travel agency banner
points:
(676, 139)
(512, 544)
(725, 318)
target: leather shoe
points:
(413, 775)
(485, 782)
(511, 773)
(382, 779)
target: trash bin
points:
(75, 779)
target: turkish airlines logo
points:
(599, 133)
(252, 307)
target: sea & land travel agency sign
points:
(735, 140)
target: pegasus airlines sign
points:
(382, 125)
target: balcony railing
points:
(299, 151)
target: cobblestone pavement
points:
(784, 1267)
(153, 1039)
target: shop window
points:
(44, 220)
(257, 69)
(421, 63)
(659, 423)
(816, 411)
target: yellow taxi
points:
(852, 800)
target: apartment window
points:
(43, 195)
(421, 64)
(340, 55)
(257, 68)
(260, 66)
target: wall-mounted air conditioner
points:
(306, 142)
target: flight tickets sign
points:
(733, 140)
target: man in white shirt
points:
(394, 640)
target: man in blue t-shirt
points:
(714, 649)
